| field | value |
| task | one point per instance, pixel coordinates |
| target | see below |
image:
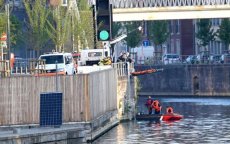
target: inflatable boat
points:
(148, 117)
(157, 117)
(171, 117)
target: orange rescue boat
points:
(149, 71)
(171, 117)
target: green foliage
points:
(133, 35)
(67, 24)
(85, 25)
(57, 25)
(3, 23)
(158, 32)
(2, 3)
(87, 31)
(37, 14)
(205, 34)
(137, 88)
(15, 28)
(224, 32)
(16, 35)
(83, 5)
(116, 27)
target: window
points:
(172, 46)
(177, 26)
(178, 46)
(53, 59)
(94, 54)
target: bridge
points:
(138, 10)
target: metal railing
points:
(5, 68)
(123, 68)
(183, 60)
(28, 66)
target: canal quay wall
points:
(92, 104)
(182, 80)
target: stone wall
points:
(186, 80)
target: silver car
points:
(225, 58)
(170, 58)
(191, 59)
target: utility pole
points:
(8, 28)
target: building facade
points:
(216, 46)
(181, 39)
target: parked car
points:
(214, 59)
(225, 58)
(191, 59)
(170, 58)
(202, 57)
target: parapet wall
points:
(187, 80)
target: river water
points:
(206, 120)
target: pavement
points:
(26, 131)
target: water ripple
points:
(205, 121)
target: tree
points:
(16, 34)
(2, 3)
(3, 23)
(115, 29)
(133, 34)
(15, 26)
(87, 31)
(36, 28)
(224, 32)
(73, 24)
(158, 32)
(205, 33)
(3, 17)
(58, 23)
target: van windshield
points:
(52, 59)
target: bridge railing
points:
(166, 3)
(207, 59)
(123, 68)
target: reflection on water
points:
(206, 120)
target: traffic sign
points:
(3, 44)
(146, 43)
(3, 37)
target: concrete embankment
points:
(188, 80)
(79, 132)
(95, 102)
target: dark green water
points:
(206, 120)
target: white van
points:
(93, 56)
(64, 62)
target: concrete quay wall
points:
(79, 132)
(75, 131)
(210, 80)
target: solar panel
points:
(51, 109)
